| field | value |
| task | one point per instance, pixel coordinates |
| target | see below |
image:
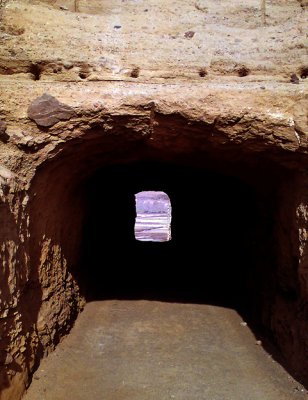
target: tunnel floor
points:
(149, 350)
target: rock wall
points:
(288, 317)
(127, 81)
(14, 275)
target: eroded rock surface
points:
(2, 127)
(193, 83)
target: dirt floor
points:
(148, 350)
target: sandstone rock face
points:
(47, 111)
(189, 84)
(2, 127)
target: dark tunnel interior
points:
(212, 257)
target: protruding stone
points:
(153, 217)
(46, 111)
(6, 175)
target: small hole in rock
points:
(304, 72)
(35, 70)
(189, 34)
(202, 72)
(83, 75)
(243, 71)
(135, 72)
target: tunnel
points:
(213, 252)
(224, 248)
(221, 251)
(229, 246)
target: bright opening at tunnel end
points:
(153, 219)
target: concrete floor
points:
(148, 350)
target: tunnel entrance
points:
(214, 252)
(230, 247)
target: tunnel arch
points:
(194, 228)
(60, 210)
(60, 196)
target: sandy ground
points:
(148, 350)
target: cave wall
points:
(43, 219)
(14, 275)
(226, 93)
(39, 299)
(289, 318)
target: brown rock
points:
(294, 79)
(46, 111)
(3, 135)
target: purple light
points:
(153, 220)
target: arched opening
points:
(214, 252)
(153, 216)
(223, 250)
